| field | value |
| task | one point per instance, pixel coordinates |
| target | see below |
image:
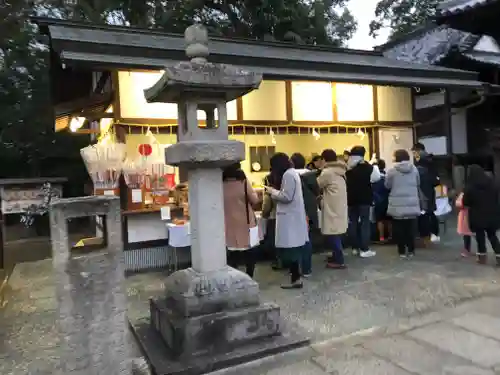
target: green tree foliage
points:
(312, 22)
(402, 16)
(303, 21)
(28, 143)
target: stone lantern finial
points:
(196, 37)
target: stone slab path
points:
(463, 340)
(370, 296)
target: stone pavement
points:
(463, 340)
(374, 297)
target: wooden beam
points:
(86, 131)
(96, 115)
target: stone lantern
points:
(211, 307)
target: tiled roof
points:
(485, 58)
(112, 47)
(458, 6)
(430, 46)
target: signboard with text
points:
(16, 200)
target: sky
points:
(363, 11)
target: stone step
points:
(483, 351)
(422, 359)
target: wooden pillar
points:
(495, 143)
(121, 137)
(447, 127)
(495, 150)
(2, 241)
(447, 122)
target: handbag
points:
(253, 232)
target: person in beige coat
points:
(239, 217)
(334, 216)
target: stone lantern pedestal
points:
(210, 315)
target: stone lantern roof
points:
(199, 77)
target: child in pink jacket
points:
(463, 225)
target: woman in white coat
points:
(291, 223)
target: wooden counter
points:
(174, 211)
(144, 225)
(141, 211)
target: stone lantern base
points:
(210, 321)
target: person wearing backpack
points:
(310, 193)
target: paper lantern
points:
(145, 149)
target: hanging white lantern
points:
(316, 134)
(76, 123)
(273, 138)
(361, 134)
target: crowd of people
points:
(333, 202)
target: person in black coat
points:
(481, 196)
(359, 178)
(419, 153)
(428, 183)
